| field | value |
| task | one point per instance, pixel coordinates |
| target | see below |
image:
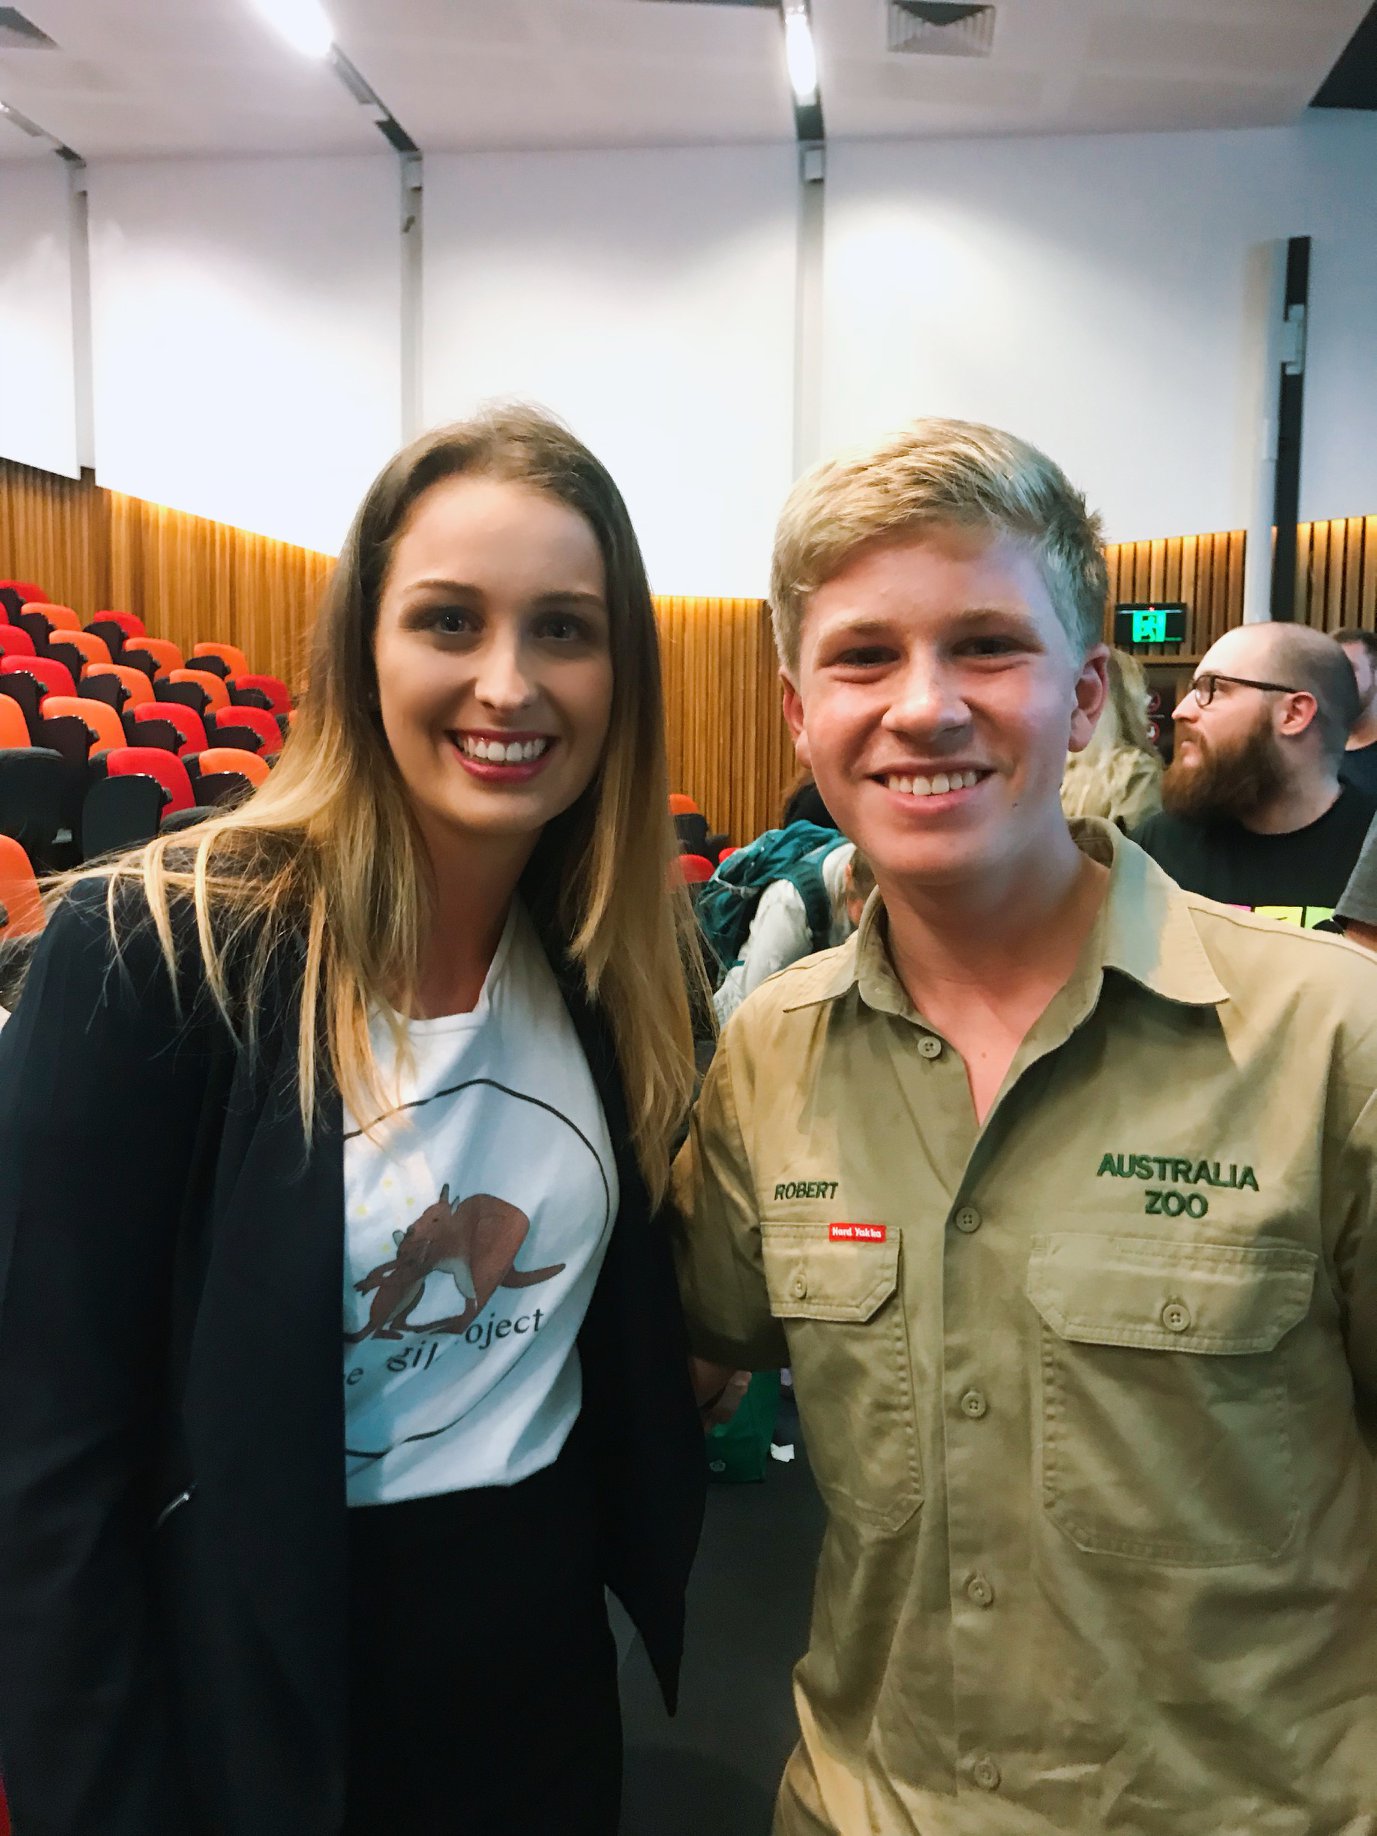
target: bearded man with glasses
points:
(1254, 811)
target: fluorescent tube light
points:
(302, 23)
(799, 53)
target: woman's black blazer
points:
(173, 1587)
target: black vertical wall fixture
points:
(1290, 400)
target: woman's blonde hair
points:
(327, 851)
(1118, 774)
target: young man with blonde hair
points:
(1054, 1186)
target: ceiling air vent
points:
(941, 28)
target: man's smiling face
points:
(936, 697)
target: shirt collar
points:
(1145, 930)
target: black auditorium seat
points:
(31, 786)
(120, 812)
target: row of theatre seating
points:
(108, 734)
(699, 851)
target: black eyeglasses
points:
(1203, 687)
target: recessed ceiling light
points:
(303, 23)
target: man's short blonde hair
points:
(933, 473)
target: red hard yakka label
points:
(857, 1233)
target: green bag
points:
(739, 1451)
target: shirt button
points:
(986, 1774)
(973, 1404)
(929, 1046)
(798, 1287)
(1176, 1316)
(968, 1219)
(979, 1590)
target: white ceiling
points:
(141, 78)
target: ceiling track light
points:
(369, 100)
(8, 112)
(801, 60)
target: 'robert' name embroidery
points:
(807, 1188)
(1165, 1200)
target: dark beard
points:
(1223, 784)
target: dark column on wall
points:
(1290, 400)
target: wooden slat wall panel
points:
(728, 745)
(189, 579)
(1336, 578)
(1205, 571)
(193, 580)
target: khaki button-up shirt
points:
(1089, 1391)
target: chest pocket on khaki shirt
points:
(1166, 1414)
(848, 1345)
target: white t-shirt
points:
(476, 1224)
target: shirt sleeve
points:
(99, 1105)
(717, 1234)
(1359, 898)
(1356, 1265)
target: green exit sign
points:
(1158, 624)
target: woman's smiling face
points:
(494, 661)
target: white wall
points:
(1099, 296)
(1336, 193)
(246, 331)
(37, 373)
(648, 299)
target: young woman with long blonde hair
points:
(341, 1365)
(1119, 774)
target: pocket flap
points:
(1193, 1297)
(812, 1278)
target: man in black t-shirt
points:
(1359, 763)
(1254, 812)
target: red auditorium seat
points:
(104, 724)
(165, 654)
(15, 642)
(694, 868)
(128, 622)
(61, 618)
(681, 804)
(217, 759)
(21, 914)
(14, 729)
(186, 720)
(149, 762)
(272, 686)
(26, 589)
(258, 722)
(228, 653)
(138, 690)
(217, 695)
(93, 649)
(52, 678)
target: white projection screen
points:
(246, 330)
(38, 424)
(648, 299)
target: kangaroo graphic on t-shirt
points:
(475, 1242)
